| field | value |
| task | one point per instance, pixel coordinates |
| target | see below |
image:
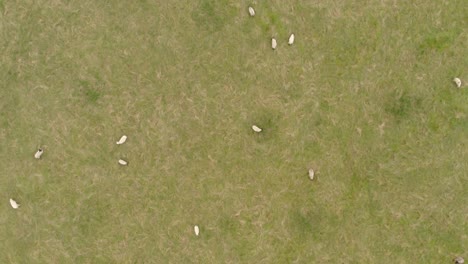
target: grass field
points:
(365, 97)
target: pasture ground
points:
(364, 97)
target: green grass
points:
(364, 97)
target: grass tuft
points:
(92, 95)
(436, 42)
(402, 104)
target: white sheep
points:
(273, 43)
(14, 204)
(38, 153)
(196, 229)
(251, 11)
(256, 129)
(311, 174)
(291, 39)
(459, 260)
(123, 162)
(457, 82)
(122, 140)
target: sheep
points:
(256, 129)
(291, 39)
(273, 43)
(459, 260)
(311, 174)
(196, 229)
(123, 162)
(14, 204)
(122, 140)
(38, 153)
(251, 11)
(457, 82)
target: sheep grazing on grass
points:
(457, 82)
(256, 129)
(251, 11)
(291, 39)
(311, 174)
(14, 204)
(123, 162)
(196, 229)
(273, 43)
(39, 153)
(458, 260)
(122, 140)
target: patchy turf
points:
(364, 96)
